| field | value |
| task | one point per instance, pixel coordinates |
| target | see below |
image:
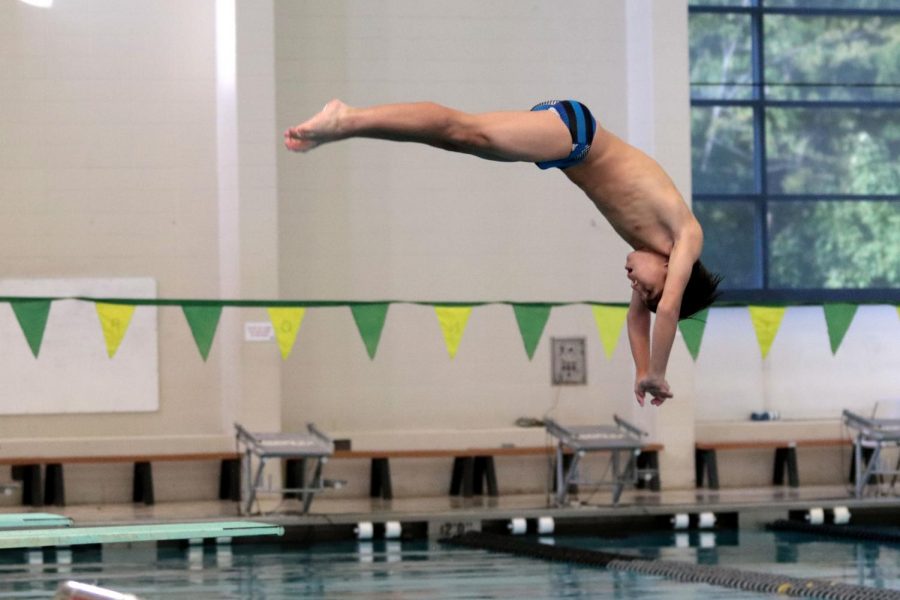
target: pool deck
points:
(748, 507)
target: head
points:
(647, 272)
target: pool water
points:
(421, 569)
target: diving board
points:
(32, 521)
(74, 536)
(74, 590)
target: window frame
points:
(761, 198)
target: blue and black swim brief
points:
(581, 125)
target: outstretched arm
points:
(651, 350)
(685, 253)
(646, 381)
(639, 338)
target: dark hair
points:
(699, 293)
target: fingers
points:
(289, 141)
(657, 388)
(660, 395)
(291, 137)
(659, 392)
(297, 140)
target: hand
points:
(654, 385)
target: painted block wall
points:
(107, 169)
(112, 165)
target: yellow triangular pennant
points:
(114, 319)
(453, 321)
(766, 321)
(610, 320)
(286, 323)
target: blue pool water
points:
(420, 569)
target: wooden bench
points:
(28, 471)
(785, 457)
(473, 468)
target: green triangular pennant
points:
(692, 331)
(370, 321)
(531, 319)
(203, 321)
(838, 317)
(32, 316)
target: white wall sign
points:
(73, 373)
(258, 331)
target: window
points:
(795, 119)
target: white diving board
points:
(32, 521)
(121, 534)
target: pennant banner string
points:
(200, 302)
(203, 315)
(263, 303)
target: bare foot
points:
(323, 127)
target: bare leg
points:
(506, 136)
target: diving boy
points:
(632, 191)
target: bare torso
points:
(634, 194)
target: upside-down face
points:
(647, 272)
